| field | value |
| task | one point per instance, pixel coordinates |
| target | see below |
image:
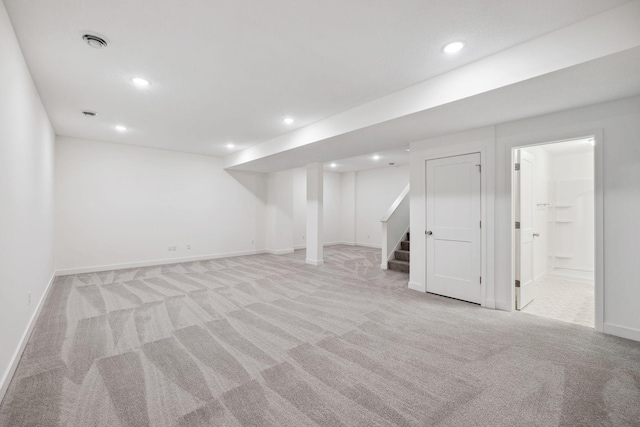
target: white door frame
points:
(483, 214)
(599, 212)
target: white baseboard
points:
(8, 375)
(417, 287)
(368, 245)
(384, 265)
(503, 305)
(325, 244)
(279, 251)
(151, 263)
(573, 275)
(314, 261)
(621, 331)
(489, 303)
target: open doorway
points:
(554, 208)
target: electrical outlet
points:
(28, 298)
(188, 245)
(252, 241)
(367, 236)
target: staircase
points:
(401, 257)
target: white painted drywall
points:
(332, 207)
(124, 205)
(280, 212)
(299, 208)
(348, 211)
(619, 124)
(375, 191)
(26, 199)
(332, 214)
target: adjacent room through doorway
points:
(555, 230)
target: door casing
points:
(597, 135)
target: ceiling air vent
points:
(95, 41)
(88, 113)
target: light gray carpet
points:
(270, 341)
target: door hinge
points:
(517, 166)
(517, 283)
(480, 224)
(481, 280)
(517, 225)
(479, 168)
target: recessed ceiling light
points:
(453, 47)
(95, 41)
(333, 165)
(140, 82)
(376, 157)
(287, 120)
(230, 145)
(121, 128)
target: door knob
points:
(428, 233)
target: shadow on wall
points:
(255, 182)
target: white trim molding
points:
(368, 245)
(417, 287)
(151, 263)
(621, 331)
(536, 140)
(17, 355)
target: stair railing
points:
(395, 224)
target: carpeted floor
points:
(270, 341)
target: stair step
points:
(402, 255)
(405, 245)
(397, 265)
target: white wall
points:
(279, 227)
(375, 191)
(26, 199)
(348, 211)
(331, 207)
(119, 205)
(299, 208)
(617, 129)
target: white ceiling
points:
(606, 79)
(374, 160)
(230, 70)
(576, 146)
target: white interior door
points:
(453, 227)
(525, 280)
